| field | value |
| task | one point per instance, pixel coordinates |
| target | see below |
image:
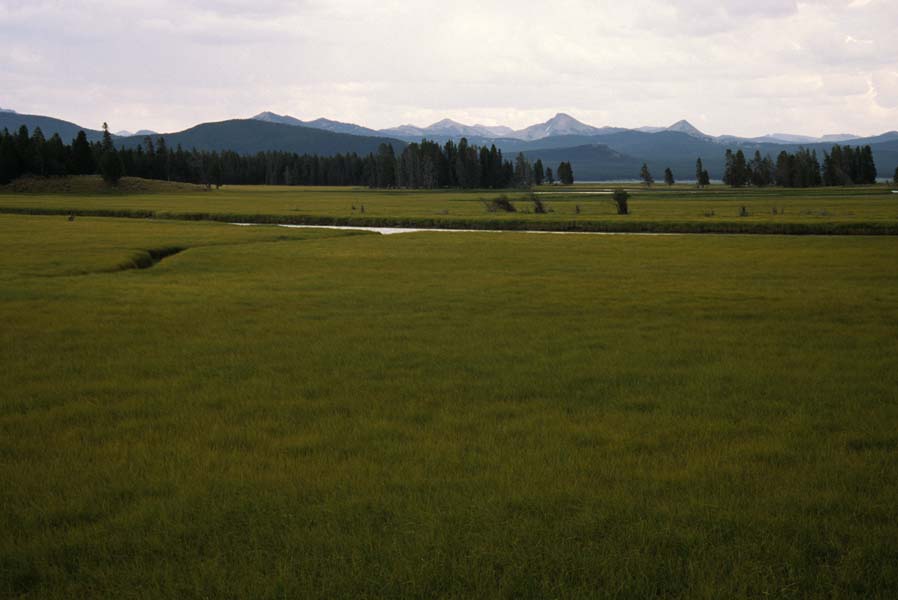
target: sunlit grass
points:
(659, 208)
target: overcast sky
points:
(745, 67)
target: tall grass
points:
(276, 413)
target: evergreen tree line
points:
(844, 165)
(420, 165)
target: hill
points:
(591, 162)
(66, 130)
(326, 124)
(249, 136)
(94, 184)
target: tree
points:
(523, 171)
(868, 167)
(668, 176)
(82, 157)
(107, 138)
(740, 170)
(34, 160)
(728, 168)
(550, 178)
(538, 174)
(705, 178)
(783, 170)
(699, 171)
(111, 167)
(385, 173)
(565, 173)
(646, 175)
(9, 159)
(760, 170)
(895, 176)
(215, 172)
(620, 197)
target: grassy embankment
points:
(858, 210)
(276, 413)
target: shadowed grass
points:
(445, 415)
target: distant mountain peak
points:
(143, 132)
(447, 123)
(560, 124)
(684, 126)
(272, 117)
(8, 110)
(839, 137)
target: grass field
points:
(861, 209)
(275, 413)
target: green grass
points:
(274, 413)
(861, 209)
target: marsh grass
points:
(856, 210)
(276, 413)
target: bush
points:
(620, 198)
(502, 203)
(538, 206)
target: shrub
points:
(502, 203)
(620, 198)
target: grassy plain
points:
(861, 209)
(277, 413)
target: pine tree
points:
(386, 166)
(82, 157)
(868, 166)
(9, 159)
(111, 167)
(107, 138)
(550, 178)
(538, 174)
(699, 171)
(55, 155)
(729, 176)
(216, 171)
(523, 171)
(741, 172)
(565, 173)
(783, 170)
(646, 175)
(34, 160)
(668, 176)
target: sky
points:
(746, 67)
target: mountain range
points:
(560, 124)
(595, 153)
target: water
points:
(395, 230)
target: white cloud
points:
(813, 66)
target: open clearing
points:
(275, 412)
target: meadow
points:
(198, 410)
(681, 208)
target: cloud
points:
(885, 88)
(809, 66)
